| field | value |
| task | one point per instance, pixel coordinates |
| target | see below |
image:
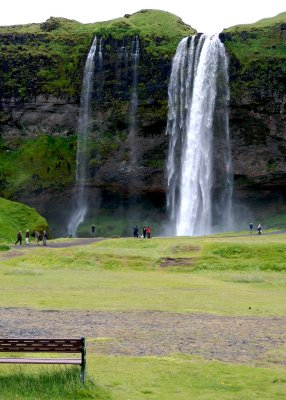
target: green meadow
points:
(232, 275)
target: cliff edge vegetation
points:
(257, 55)
(48, 58)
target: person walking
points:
(259, 229)
(37, 237)
(148, 230)
(144, 232)
(93, 230)
(27, 237)
(45, 237)
(19, 238)
(251, 227)
(135, 231)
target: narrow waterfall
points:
(100, 59)
(133, 102)
(84, 125)
(199, 161)
(99, 76)
(122, 67)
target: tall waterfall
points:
(84, 125)
(199, 168)
(133, 101)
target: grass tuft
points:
(58, 383)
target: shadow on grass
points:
(46, 383)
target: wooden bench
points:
(69, 346)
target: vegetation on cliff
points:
(16, 216)
(257, 57)
(47, 61)
(49, 57)
(257, 71)
(37, 164)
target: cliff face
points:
(41, 75)
(41, 69)
(258, 101)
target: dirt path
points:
(230, 339)
(17, 250)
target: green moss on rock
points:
(36, 165)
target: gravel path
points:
(140, 333)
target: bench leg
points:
(82, 372)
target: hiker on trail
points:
(37, 237)
(144, 232)
(135, 231)
(148, 230)
(19, 238)
(93, 230)
(259, 229)
(251, 227)
(27, 236)
(45, 237)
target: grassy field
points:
(224, 275)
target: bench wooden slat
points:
(42, 345)
(71, 361)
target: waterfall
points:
(84, 125)
(100, 59)
(133, 102)
(199, 162)
(99, 78)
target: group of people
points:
(37, 236)
(146, 232)
(259, 228)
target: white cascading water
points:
(100, 58)
(199, 161)
(80, 200)
(133, 101)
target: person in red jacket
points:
(148, 230)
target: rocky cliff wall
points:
(40, 92)
(258, 102)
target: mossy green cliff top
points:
(258, 54)
(49, 57)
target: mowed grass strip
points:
(137, 378)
